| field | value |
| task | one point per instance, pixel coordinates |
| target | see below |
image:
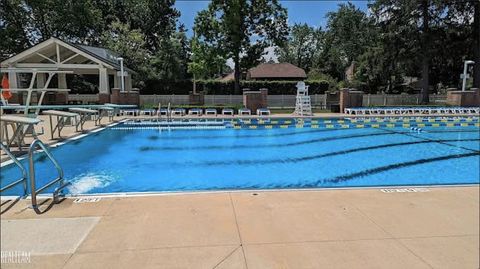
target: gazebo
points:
(57, 54)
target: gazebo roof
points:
(57, 53)
(100, 53)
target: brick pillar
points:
(264, 97)
(350, 98)
(197, 99)
(61, 98)
(344, 99)
(463, 98)
(131, 97)
(254, 100)
(115, 96)
(476, 101)
(103, 98)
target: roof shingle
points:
(276, 70)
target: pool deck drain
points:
(364, 228)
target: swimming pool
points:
(266, 154)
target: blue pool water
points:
(143, 160)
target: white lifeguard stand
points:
(303, 105)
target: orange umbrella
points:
(6, 93)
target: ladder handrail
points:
(24, 177)
(159, 114)
(60, 179)
(169, 113)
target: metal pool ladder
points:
(62, 184)
(23, 179)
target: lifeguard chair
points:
(303, 105)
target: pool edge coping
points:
(175, 193)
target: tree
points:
(349, 32)
(476, 48)
(453, 43)
(13, 37)
(419, 20)
(170, 61)
(347, 36)
(205, 62)
(303, 45)
(129, 44)
(155, 19)
(235, 26)
(25, 23)
(146, 27)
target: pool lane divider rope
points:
(418, 136)
(312, 123)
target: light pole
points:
(193, 55)
(121, 73)
(465, 66)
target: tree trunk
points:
(236, 73)
(476, 47)
(425, 52)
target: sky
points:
(311, 12)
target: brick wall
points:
(463, 98)
(254, 100)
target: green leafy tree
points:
(25, 23)
(235, 26)
(152, 25)
(476, 53)
(347, 36)
(171, 59)
(303, 45)
(130, 44)
(427, 38)
(155, 19)
(13, 37)
(453, 43)
(417, 20)
(205, 62)
(348, 32)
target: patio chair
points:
(162, 112)
(195, 111)
(129, 112)
(211, 111)
(178, 112)
(263, 112)
(147, 112)
(244, 112)
(227, 111)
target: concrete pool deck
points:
(355, 228)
